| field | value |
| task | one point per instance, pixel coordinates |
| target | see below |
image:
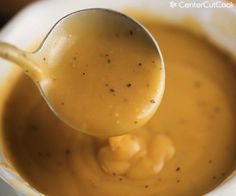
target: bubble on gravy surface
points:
(197, 116)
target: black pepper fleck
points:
(62, 103)
(129, 85)
(146, 186)
(112, 90)
(178, 181)
(44, 59)
(177, 169)
(152, 101)
(109, 60)
(83, 74)
(223, 174)
(210, 161)
(131, 32)
(140, 64)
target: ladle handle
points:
(21, 58)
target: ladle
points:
(100, 71)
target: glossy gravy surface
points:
(102, 73)
(196, 118)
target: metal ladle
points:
(100, 71)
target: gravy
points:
(196, 120)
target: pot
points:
(32, 24)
